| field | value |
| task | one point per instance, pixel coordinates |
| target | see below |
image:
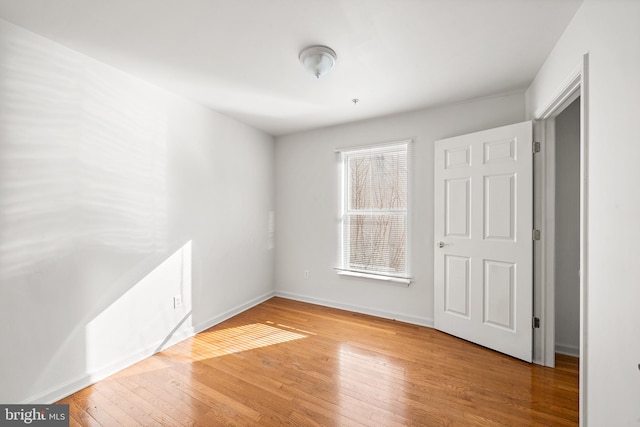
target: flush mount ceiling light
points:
(317, 60)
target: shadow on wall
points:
(87, 273)
(82, 161)
(134, 318)
(145, 318)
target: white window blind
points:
(374, 214)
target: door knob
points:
(441, 245)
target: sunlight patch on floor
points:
(216, 343)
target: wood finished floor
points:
(287, 363)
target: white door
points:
(483, 272)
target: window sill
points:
(393, 279)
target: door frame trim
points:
(576, 84)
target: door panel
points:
(458, 208)
(499, 207)
(483, 283)
(499, 296)
(457, 285)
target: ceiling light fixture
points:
(317, 60)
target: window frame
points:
(344, 213)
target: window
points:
(374, 222)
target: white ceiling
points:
(240, 57)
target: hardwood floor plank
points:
(105, 398)
(78, 414)
(93, 407)
(288, 363)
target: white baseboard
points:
(60, 392)
(232, 312)
(568, 349)
(56, 393)
(415, 320)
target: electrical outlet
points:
(307, 274)
(177, 301)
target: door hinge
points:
(536, 235)
(536, 322)
(536, 147)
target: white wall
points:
(567, 230)
(307, 206)
(609, 31)
(116, 196)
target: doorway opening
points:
(567, 231)
(554, 269)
